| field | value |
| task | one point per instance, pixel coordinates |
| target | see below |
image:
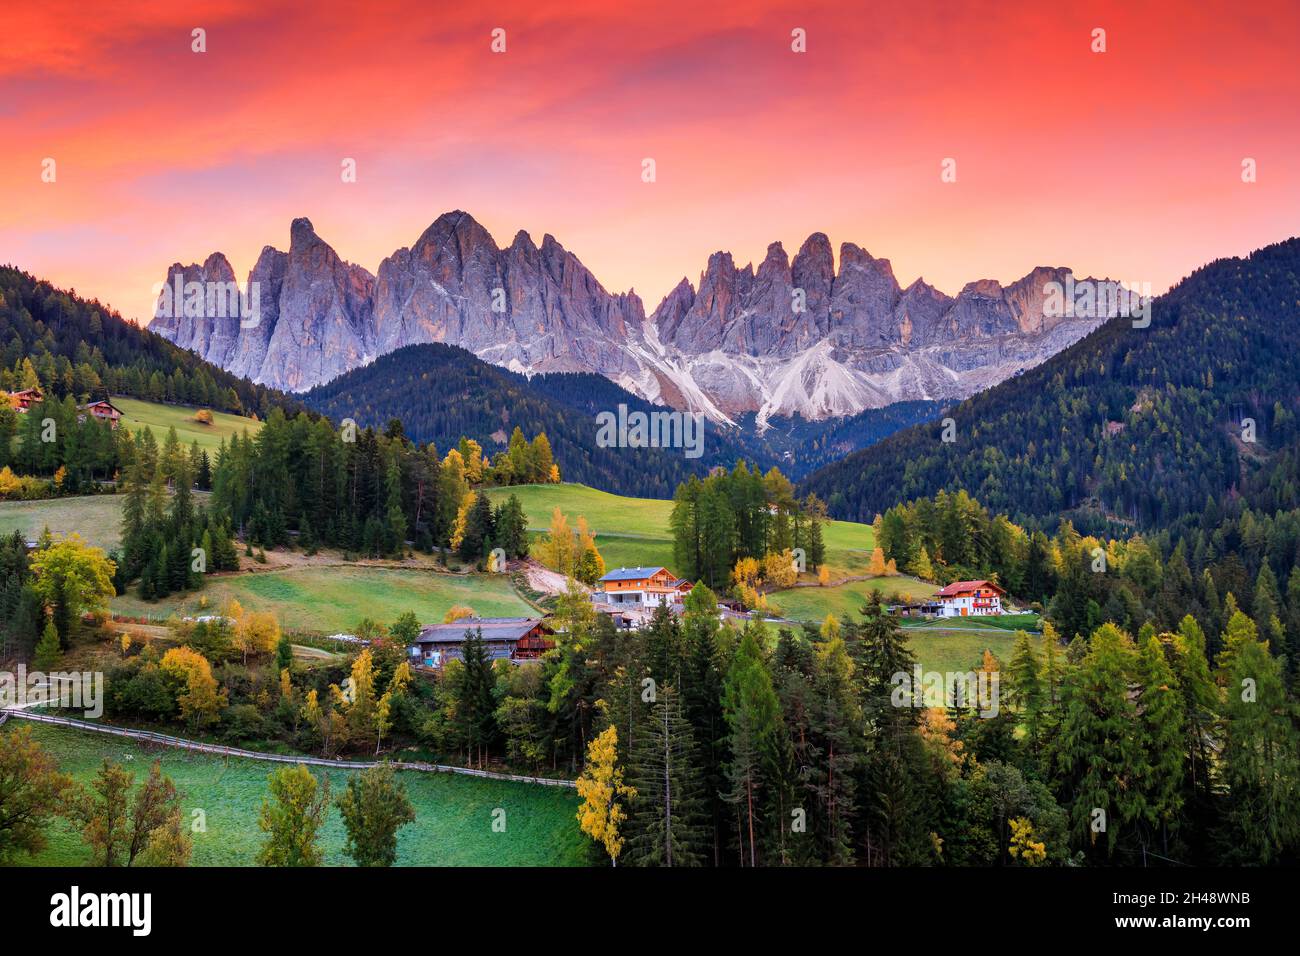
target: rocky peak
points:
(733, 342)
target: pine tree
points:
(1025, 688)
(752, 714)
(1261, 760)
(1099, 757)
(1163, 730)
(1200, 704)
(666, 818)
(48, 652)
(475, 698)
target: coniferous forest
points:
(1129, 429)
(1153, 719)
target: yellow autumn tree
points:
(458, 612)
(201, 701)
(746, 573)
(601, 787)
(559, 546)
(937, 732)
(361, 696)
(473, 460)
(823, 575)
(877, 566)
(590, 565)
(1023, 846)
(462, 514)
(256, 632)
(779, 569)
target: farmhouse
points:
(22, 401)
(513, 639)
(970, 598)
(104, 411)
(641, 587)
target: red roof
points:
(958, 588)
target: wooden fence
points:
(167, 741)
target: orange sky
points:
(1125, 164)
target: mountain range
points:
(788, 338)
(442, 392)
(1134, 427)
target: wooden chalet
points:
(514, 639)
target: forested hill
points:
(441, 392)
(81, 347)
(1128, 428)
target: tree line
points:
(708, 746)
(370, 493)
(738, 514)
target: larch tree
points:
(291, 818)
(31, 792)
(602, 789)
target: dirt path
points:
(543, 579)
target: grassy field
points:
(97, 518)
(1004, 622)
(634, 532)
(453, 814)
(814, 603)
(962, 650)
(334, 599)
(137, 414)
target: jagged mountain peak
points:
(792, 335)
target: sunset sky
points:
(1125, 163)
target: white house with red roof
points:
(970, 599)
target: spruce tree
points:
(1163, 729)
(1261, 761)
(666, 820)
(48, 651)
(1100, 760)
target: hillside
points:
(1131, 427)
(635, 532)
(441, 392)
(81, 346)
(137, 415)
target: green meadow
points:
(136, 415)
(453, 813)
(333, 599)
(632, 532)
